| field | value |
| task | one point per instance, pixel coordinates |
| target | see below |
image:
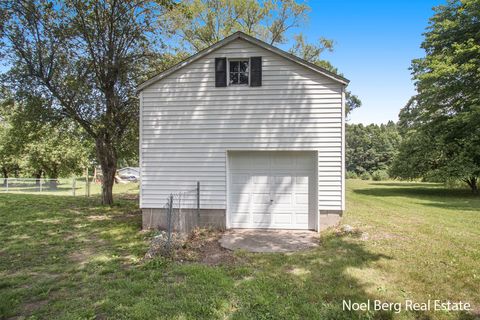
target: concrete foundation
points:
(186, 221)
(329, 218)
(268, 240)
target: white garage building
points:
(260, 129)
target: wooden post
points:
(7, 184)
(40, 184)
(169, 220)
(198, 201)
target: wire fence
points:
(175, 207)
(75, 186)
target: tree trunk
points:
(53, 182)
(472, 183)
(107, 157)
(38, 176)
(5, 176)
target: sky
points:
(375, 42)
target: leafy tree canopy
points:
(85, 57)
(371, 148)
(202, 23)
(441, 123)
(40, 148)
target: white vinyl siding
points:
(188, 124)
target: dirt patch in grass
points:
(200, 246)
(82, 257)
(365, 233)
(30, 307)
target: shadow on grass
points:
(453, 199)
(48, 240)
(409, 184)
(309, 285)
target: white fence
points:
(64, 186)
(78, 186)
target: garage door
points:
(271, 189)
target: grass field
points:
(70, 258)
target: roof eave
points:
(250, 39)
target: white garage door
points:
(271, 189)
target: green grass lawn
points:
(70, 258)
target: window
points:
(238, 72)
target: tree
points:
(202, 23)
(9, 160)
(312, 52)
(86, 57)
(371, 148)
(42, 148)
(55, 152)
(441, 123)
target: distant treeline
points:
(371, 149)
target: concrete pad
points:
(267, 240)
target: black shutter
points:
(220, 72)
(256, 71)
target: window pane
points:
(233, 78)
(243, 78)
(234, 66)
(244, 66)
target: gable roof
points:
(246, 37)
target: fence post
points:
(169, 220)
(198, 201)
(73, 186)
(40, 184)
(7, 184)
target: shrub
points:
(365, 176)
(351, 175)
(380, 175)
(455, 184)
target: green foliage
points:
(9, 162)
(201, 23)
(351, 175)
(365, 176)
(86, 58)
(454, 184)
(380, 175)
(40, 148)
(370, 148)
(312, 52)
(441, 124)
